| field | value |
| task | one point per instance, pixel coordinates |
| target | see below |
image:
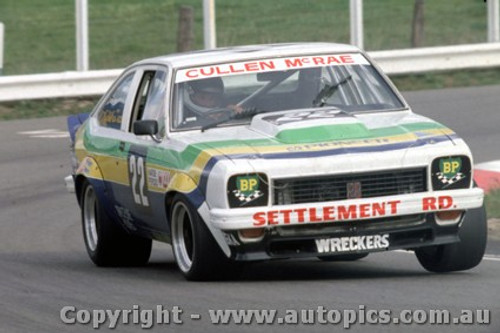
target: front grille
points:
(359, 226)
(334, 187)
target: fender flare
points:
(89, 170)
(184, 184)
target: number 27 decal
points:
(138, 180)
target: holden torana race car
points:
(273, 151)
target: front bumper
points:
(406, 221)
(346, 210)
(408, 232)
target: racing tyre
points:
(195, 250)
(107, 242)
(344, 257)
(465, 254)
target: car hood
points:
(309, 134)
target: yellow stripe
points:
(205, 156)
(115, 169)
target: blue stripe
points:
(311, 154)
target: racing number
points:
(138, 181)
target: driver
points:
(207, 95)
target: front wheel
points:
(465, 254)
(195, 250)
(106, 242)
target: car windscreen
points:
(203, 95)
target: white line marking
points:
(51, 136)
(491, 257)
(46, 134)
(51, 130)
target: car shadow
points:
(161, 269)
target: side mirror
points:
(145, 127)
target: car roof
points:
(242, 53)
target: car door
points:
(143, 201)
(107, 128)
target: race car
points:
(269, 152)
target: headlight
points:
(248, 190)
(451, 172)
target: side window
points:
(110, 114)
(150, 100)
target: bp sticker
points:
(450, 167)
(247, 190)
(247, 185)
(450, 170)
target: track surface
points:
(44, 266)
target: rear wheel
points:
(106, 242)
(344, 257)
(465, 254)
(195, 250)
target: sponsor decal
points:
(327, 213)
(336, 144)
(247, 190)
(89, 168)
(267, 65)
(354, 243)
(85, 166)
(110, 117)
(287, 118)
(126, 216)
(359, 211)
(158, 178)
(451, 172)
(437, 203)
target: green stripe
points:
(347, 132)
(184, 160)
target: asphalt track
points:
(44, 267)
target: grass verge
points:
(40, 34)
(493, 204)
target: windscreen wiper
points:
(247, 113)
(327, 91)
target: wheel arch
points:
(88, 170)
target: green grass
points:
(45, 108)
(493, 204)
(39, 34)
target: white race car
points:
(271, 151)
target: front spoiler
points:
(346, 210)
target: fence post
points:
(82, 35)
(1, 47)
(209, 24)
(417, 27)
(185, 35)
(493, 21)
(356, 14)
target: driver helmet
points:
(204, 95)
